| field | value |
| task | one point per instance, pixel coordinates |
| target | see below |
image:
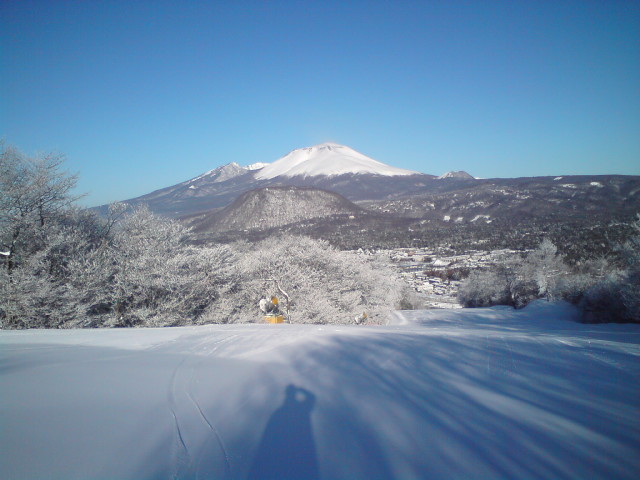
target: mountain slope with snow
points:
(256, 166)
(327, 159)
(220, 174)
(272, 207)
(460, 174)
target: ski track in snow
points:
(499, 356)
(182, 456)
(183, 381)
(212, 428)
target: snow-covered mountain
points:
(327, 159)
(271, 207)
(326, 166)
(220, 174)
(224, 173)
(399, 194)
(459, 174)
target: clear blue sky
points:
(143, 95)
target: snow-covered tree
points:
(41, 289)
(483, 288)
(155, 278)
(517, 281)
(34, 193)
(616, 297)
(545, 267)
(324, 285)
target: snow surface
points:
(484, 393)
(326, 159)
(256, 166)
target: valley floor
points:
(485, 393)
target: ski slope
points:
(485, 393)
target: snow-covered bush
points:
(484, 288)
(582, 277)
(324, 285)
(604, 289)
(616, 297)
(410, 299)
(516, 282)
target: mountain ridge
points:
(456, 199)
(347, 172)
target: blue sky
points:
(143, 95)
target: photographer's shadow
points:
(287, 449)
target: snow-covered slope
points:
(256, 166)
(474, 394)
(327, 159)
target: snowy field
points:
(486, 393)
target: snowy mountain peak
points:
(221, 174)
(459, 174)
(327, 159)
(327, 146)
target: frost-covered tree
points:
(545, 267)
(324, 285)
(606, 289)
(65, 267)
(153, 277)
(483, 288)
(616, 296)
(34, 193)
(40, 289)
(630, 290)
(38, 230)
(517, 281)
